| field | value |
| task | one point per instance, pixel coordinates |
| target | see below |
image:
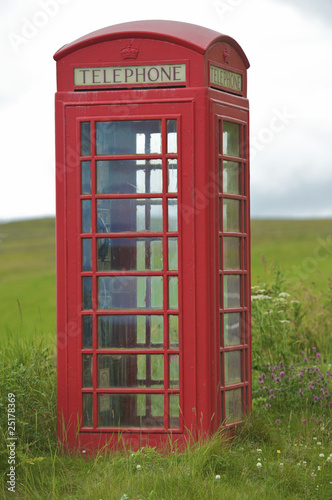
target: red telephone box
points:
(153, 260)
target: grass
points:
(282, 452)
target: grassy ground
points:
(282, 452)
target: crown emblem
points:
(129, 52)
(226, 55)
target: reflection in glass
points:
(131, 410)
(232, 329)
(171, 137)
(85, 177)
(87, 293)
(87, 332)
(174, 370)
(130, 292)
(172, 176)
(173, 292)
(129, 176)
(174, 410)
(85, 138)
(233, 406)
(121, 215)
(231, 177)
(231, 139)
(172, 214)
(87, 370)
(233, 367)
(231, 252)
(231, 215)
(173, 331)
(86, 254)
(128, 137)
(86, 216)
(87, 410)
(172, 254)
(131, 370)
(130, 331)
(232, 291)
(126, 254)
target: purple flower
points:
(277, 421)
(314, 348)
(318, 355)
(282, 374)
(305, 360)
(326, 392)
(310, 387)
(304, 421)
(301, 392)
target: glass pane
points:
(231, 139)
(173, 292)
(87, 332)
(174, 370)
(130, 292)
(85, 139)
(131, 410)
(131, 331)
(172, 214)
(231, 177)
(87, 293)
(126, 254)
(131, 370)
(172, 254)
(173, 331)
(87, 370)
(232, 291)
(233, 367)
(171, 137)
(86, 216)
(232, 329)
(172, 176)
(85, 177)
(119, 215)
(129, 176)
(233, 406)
(86, 254)
(128, 137)
(174, 410)
(231, 253)
(87, 410)
(231, 215)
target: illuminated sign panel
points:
(227, 79)
(163, 74)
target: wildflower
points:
(138, 467)
(259, 460)
(277, 421)
(284, 294)
(319, 443)
(321, 455)
(301, 392)
(305, 360)
(217, 476)
(83, 451)
(278, 451)
(281, 465)
(304, 421)
(310, 387)
(284, 321)
(314, 348)
(319, 467)
(259, 450)
(318, 355)
(314, 438)
(282, 374)
(259, 464)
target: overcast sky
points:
(288, 44)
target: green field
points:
(302, 248)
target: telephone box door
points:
(125, 267)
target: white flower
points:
(328, 459)
(284, 294)
(315, 438)
(138, 467)
(284, 321)
(217, 476)
(319, 443)
(258, 460)
(260, 297)
(259, 450)
(83, 451)
(321, 455)
(281, 465)
(259, 464)
(319, 467)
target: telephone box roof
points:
(194, 37)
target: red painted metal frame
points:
(198, 110)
